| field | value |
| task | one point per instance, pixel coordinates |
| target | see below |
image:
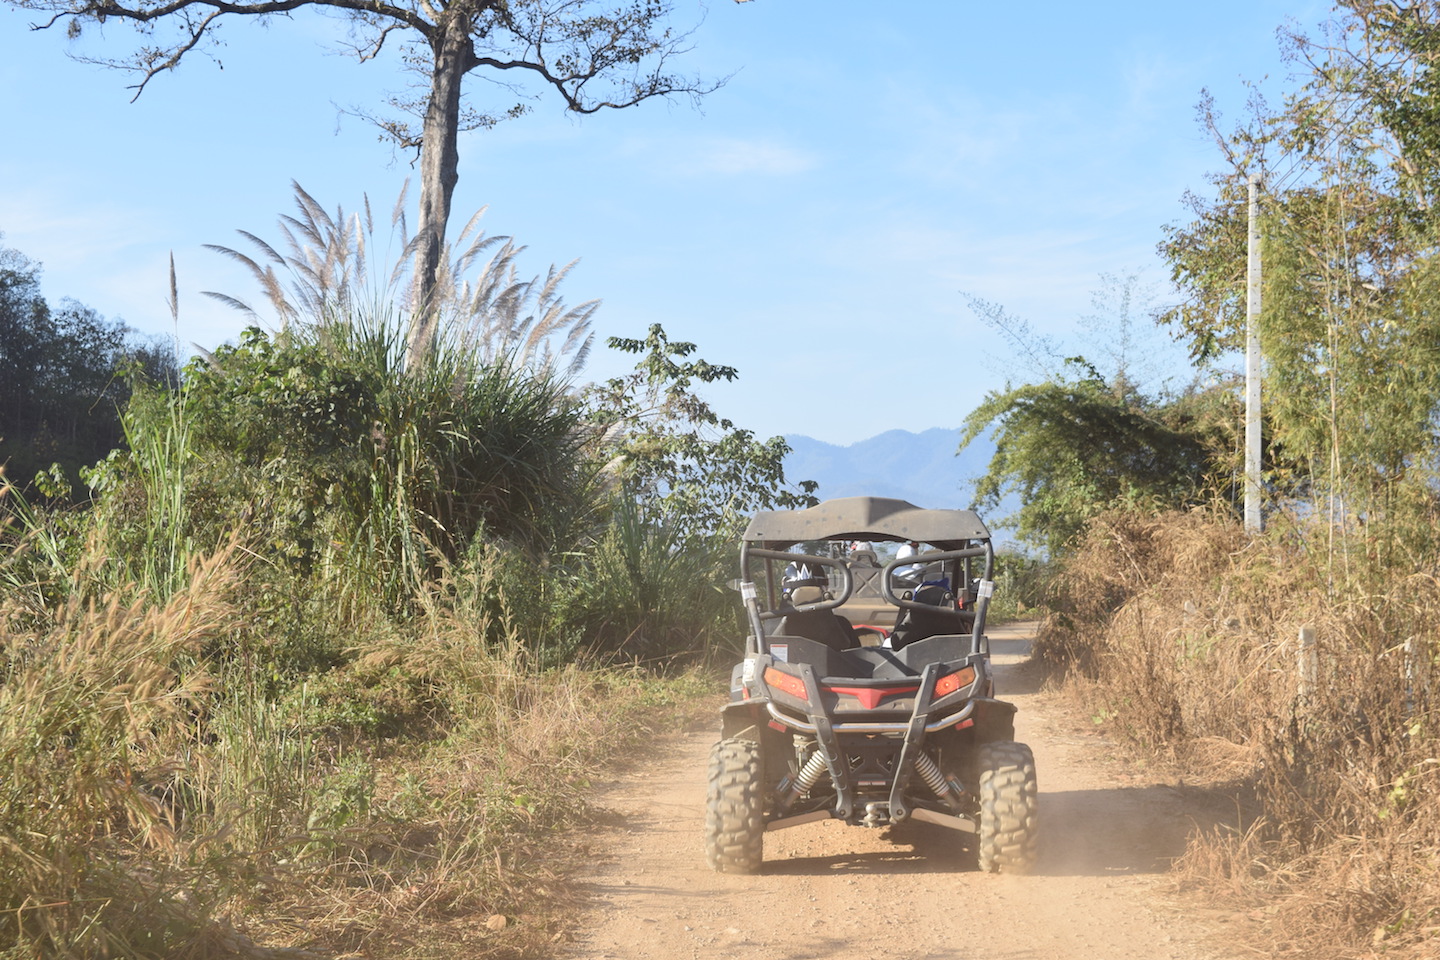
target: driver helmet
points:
(802, 575)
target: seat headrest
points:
(811, 594)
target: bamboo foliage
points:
(1189, 627)
(1349, 333)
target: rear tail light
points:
(952, 682)
(786, 683)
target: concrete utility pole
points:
(1254, 523)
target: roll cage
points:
(958, 538)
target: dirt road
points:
(830, 890)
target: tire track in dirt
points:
(831, 890)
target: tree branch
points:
(101, 10)
(373, 50)
(155, 60)
(196, 34)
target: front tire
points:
(1009, 807)
(735, 808)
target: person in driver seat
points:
(800, 586)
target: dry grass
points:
(1185, 637)
(94, 713)
(160, 802)
(463, 842)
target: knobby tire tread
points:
(1009, 808)
(735, 808)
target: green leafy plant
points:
(666, 445)
(1074, 446)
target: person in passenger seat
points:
(937, 618)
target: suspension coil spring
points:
(808, 776)
(934, 779)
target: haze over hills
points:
(919, 467)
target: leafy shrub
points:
(357, 463)
(651, 593)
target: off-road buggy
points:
(828, 719)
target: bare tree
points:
(594, 54)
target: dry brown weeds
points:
(156, 806)
(1185, 637)
(94, 706)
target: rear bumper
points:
(896, 727)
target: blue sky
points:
(817, 222)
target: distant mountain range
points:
(919, 467)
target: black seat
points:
(822, 626)
(939, 617)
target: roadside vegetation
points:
(1264, 668)
(62, 379)
(325, 656)
(1297, 668)
(320, 649)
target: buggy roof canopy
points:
(866, 518)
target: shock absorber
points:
(939, 785)
(808, 776)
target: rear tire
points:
(735, 808)
(1009, 807)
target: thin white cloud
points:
(723, 156)
(941, 137)
(1152, 81)
(754, 157)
